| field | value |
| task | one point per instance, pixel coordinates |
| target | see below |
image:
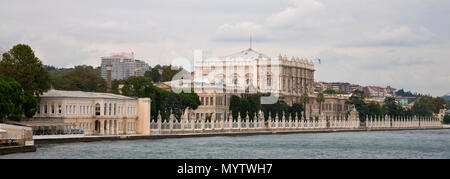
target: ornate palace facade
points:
(249, 72)
(94, 113)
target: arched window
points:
(97, 109)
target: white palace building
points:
(249, 72)
(94, 113)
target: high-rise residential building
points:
(121, 66)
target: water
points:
(380, 144)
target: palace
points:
(249, 72)
(94, 113)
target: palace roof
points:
(81, 94)
(248, 54)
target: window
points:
(269, 80)
(114, 109)
(97, 109)
(207, 100)
(202, 99)
(104, 109)
(212, 101)
(59, 109)
(110, 106)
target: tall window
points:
(114, 109)
(97, 109)
(104, 109)
(269, 79)
(52, 109)
(110, 109)
(59, 109)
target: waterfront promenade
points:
(285, 125)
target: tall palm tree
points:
(304, 99)
(320, 99)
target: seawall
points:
(190, 135)
(17, 149)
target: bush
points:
(447, 119)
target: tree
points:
(173, 105)
(190, 100)
(14, 101)
(254, 105)
(446, 119)
(374, 109)
(297, 109)
(357, 100)
(392, 107)
(169, 72)
(320, 99)
(426, 106)
(153, 75)
(304, 99)
(235, 103)
(21, 64)
(82, 78)
(243, 108)
(137, 86)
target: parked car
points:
(77, 131)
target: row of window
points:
(87, 109)
(334, 107)
(89, 126)
(220, 100)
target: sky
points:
(401, 43)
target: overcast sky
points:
(402, 43)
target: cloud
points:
(294, 14)
(403, 43)
(398, 36)
(239, 32)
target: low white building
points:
(94, 113)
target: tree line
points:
(424, 106)
(250, 104)
(163, 102)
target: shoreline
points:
(62, 139)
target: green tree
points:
(304, 99)
(169, 72)
(235, 103)
(243, 108)
(14, 101)
(153, 75)
(297, 109)
(446, 119)
(21, 64)
(137, 86)
(173, 105)
(320, 99)
(357, 100)
(190, 100)
(82, 78)
(392, 107)
(374, 109)
(254, 105)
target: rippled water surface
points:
(381, 144)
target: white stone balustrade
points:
(286, 122)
